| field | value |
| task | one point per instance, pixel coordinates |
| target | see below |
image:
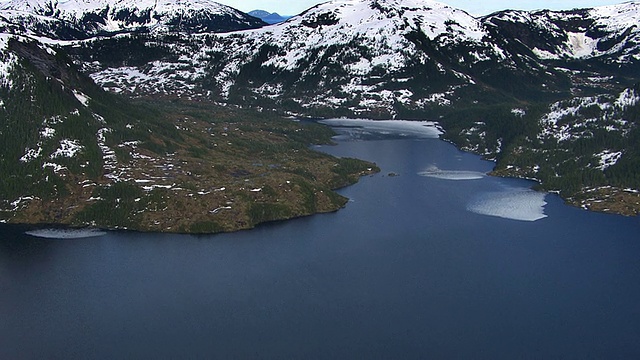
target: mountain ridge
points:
(448, 48)
(82, 19)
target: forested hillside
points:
(75, 154)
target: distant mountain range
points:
(269, 18)
(549, 95)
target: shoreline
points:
(615, 201)
(605, 199)
(70, 227)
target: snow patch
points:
(65, 234)
(456, 175)
(109, 159)
(608, 158)
(47, 133)
(31, 154)
(580, 45)
(16, 204)
(513, 203)
(627, 98)
(84, 99)
(544, 54)
(8, 61)
(68, 148)
(552, 123)
(420, 129)
(57, 168)
(218, 209)
(438, 98)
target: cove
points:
(440, 261)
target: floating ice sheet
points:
(65, 233)
(513, 203)
(420, 129)
(457, 175)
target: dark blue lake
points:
(438, 262)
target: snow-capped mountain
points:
(388, 56)
(350, 57)
(609, 33)
(77, 19)
(358, 55)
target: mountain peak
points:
(87, 18)
(397, 16)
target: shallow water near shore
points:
(455, 265)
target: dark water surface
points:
(413, 267)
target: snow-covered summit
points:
(346, 49)
(99, 16)
(383, 26)
(366, 15)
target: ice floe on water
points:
(513, 203)
(457, 175)
(419, 129)
(65, 233)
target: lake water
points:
(440, 261)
